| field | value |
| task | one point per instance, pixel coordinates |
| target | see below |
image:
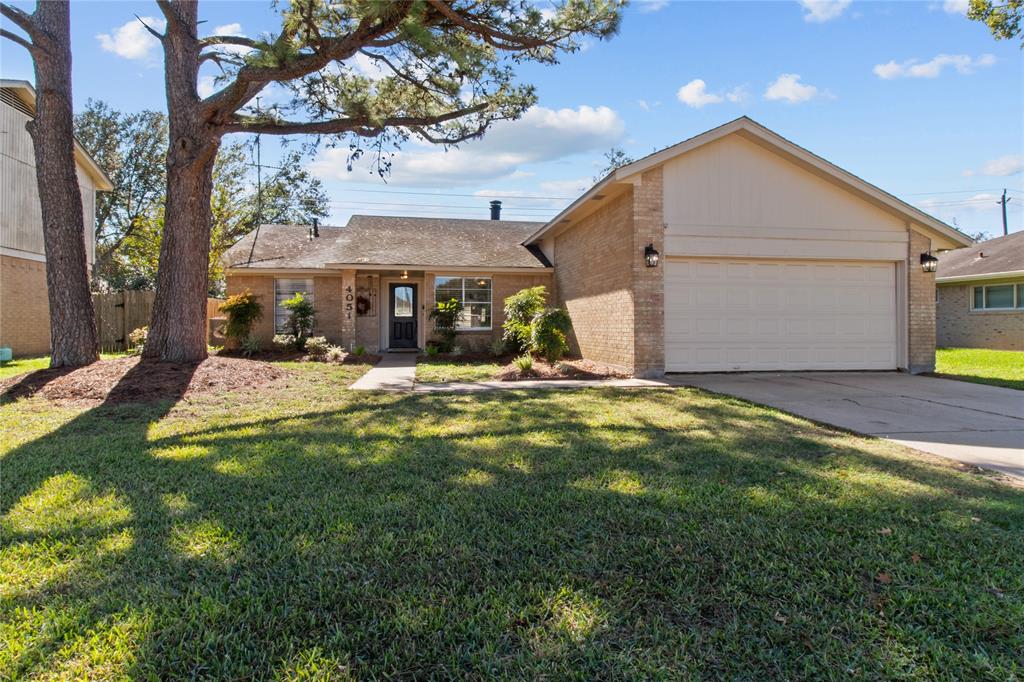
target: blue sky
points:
(910, 96)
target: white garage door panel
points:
(729, 315)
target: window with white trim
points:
(283, 290)
(474, 293)
(998, 297)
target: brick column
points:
(348, 309)
(648, 283)
(921, 304)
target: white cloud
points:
(820, 11)
(132, 40)
(738, 94)
(956, 6)
(206, 86)
(541, 135)
(788, 87)
(648, 6)
(369, 67)
(694, 94)
(914, 68)
(1011, 164)
(234, 29)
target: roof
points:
(767, 137)
(1003, 257)
(28, 95)
(390, 241)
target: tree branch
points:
(499, 39)
(21, 19)
(156, 34)
(359, 125)
(14, 38)
(241, 41)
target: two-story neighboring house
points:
(24, 310)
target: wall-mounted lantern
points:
(929, 263)
(651, 256)
(405, 274)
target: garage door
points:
(736, 315)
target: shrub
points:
(334, 354)
(137, 340)
(250, 345)
(301, 317)
(457, 350)
(243, 310)
(359, 350)
(548, 333)
(284, 341)
(520, 309)
(498, 347)
(524, 363)
(317, 347)
(432, 350)
(446, 319)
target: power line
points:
(449, 206)
(500, 195)
(957, 191)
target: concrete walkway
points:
(974, 423)
(478, 386)
(394, 372)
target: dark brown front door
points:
(402, 316)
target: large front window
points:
(283, 290)
(998, 297)
(474, 293)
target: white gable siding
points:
(733, 197)
(21, 226)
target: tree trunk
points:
(178, 329)
(73, 339)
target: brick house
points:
(980, 295)
(24, 308)
(733, 250)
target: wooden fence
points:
(120, 313)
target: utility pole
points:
(1003, 202)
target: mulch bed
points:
(129, 380)
(295, 356)
(565, 369)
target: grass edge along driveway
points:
(313, 532)
(982, 366)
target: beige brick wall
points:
(648, 283)
(327, 301)
(263, 287)
(24, 309)
(960, 327)
(921, 296)
(368, 326)
(594, 282)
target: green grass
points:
(312, 532)
(22, 365)
(996, 367)
(435, 370)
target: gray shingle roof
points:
(1003, 254)
(391, 241)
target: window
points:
(283, 290)
(475, 295)
(998, 297)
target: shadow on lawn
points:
(497, 534)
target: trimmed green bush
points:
(548, 333)
(317, 347)
(446, 319)
(243, 311)
(524, 363)
(520, 309)
(301, 317)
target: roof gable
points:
(765, 137)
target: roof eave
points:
(1009, 274)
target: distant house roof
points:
(25, 95)
(386, 241)
(1000, 257)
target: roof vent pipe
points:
(495, 210)
(316, 227)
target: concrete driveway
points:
(977, 424)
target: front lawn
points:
(312, 532)
(439, 370)
(996, 367)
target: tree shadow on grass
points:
(596, 534)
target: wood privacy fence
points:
(120, 313)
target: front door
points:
(402, 316)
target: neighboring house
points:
(980, 296)
(734, 250)
(24, 309)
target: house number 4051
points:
(348, 302)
